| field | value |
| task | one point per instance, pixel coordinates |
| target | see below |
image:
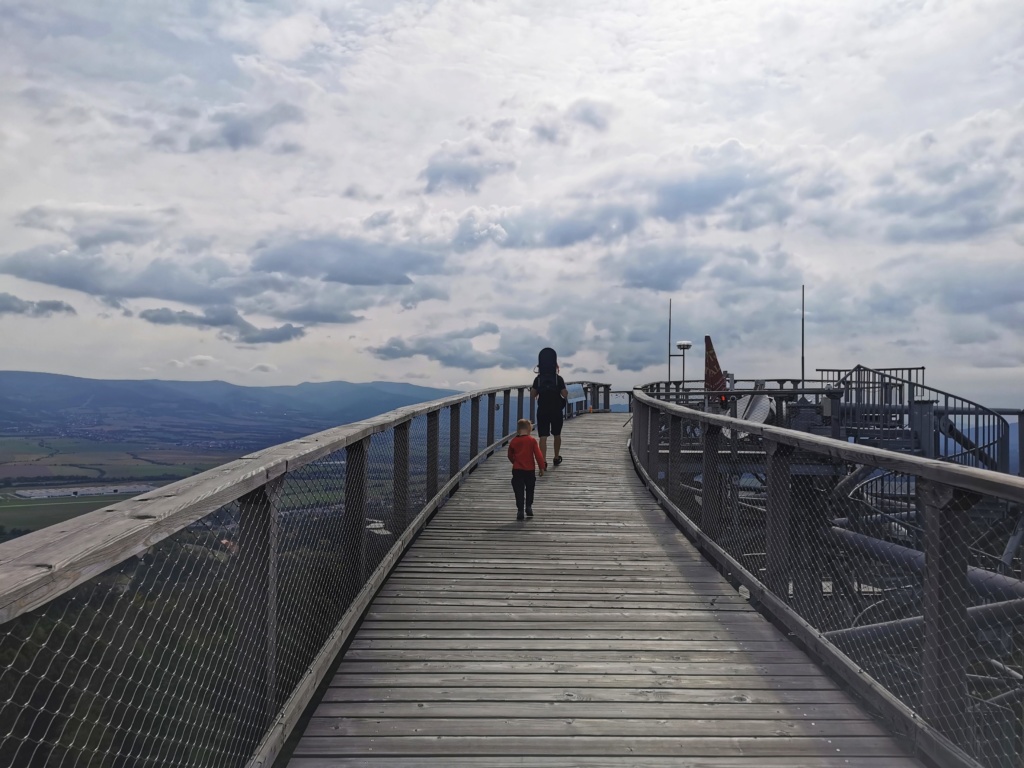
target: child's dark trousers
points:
(523, 483)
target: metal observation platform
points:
(823, 576)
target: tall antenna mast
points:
(803, 307)
(669, 340)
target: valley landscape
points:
(74, 433)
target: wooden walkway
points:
(591, 635)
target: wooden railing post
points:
(944, 694)
(650, 441)
(454, 439)
(354, 520)
(778, 519)
(506, 408)
(520, 403)
(674, 470)
(533, 409)
(655, 441)
(474, 427)
(640, 411)
(492, 401)
(400, 473)
(608, 397)
(433, 448)
(257, 593)
(1020, 443)
(711, 486)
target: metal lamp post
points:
(682, 346)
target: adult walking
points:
(549, 389)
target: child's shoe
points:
(529, 511)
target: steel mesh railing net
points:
(185, 654)
(844, 546)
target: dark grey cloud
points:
(297, 281)
(559, 127)
(757, 209)
(535, 228)
(604, 223)
(517, 347)
(347, 260)
(463, 167)
(115, 303)
(12, 305)
(743, 268)
(206, 281)
(658, 268)
(550, 131)
(454, 348)
(988, 290)
(953, 188)
(520, 347)
(412, 296)
(636, 340)
(316, 314)
(227, 319)
(94, 226)
(229, 129)
(242, 129)
(946, 210)
(359, 192)
(596, 114)
(288, 148)
(701, 193)
(378, 219)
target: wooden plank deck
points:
(592, 635)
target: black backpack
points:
(547, 366)
(548, 383)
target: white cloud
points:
(317, 190)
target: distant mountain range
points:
(209, 413)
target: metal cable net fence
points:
(844, 546)
(187, 653)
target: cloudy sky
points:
(271, 192)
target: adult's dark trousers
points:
(523, 483)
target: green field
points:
(41, 461)
(33, 514)
(44, 462)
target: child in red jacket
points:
(522, 451)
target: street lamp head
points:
(683, 345)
